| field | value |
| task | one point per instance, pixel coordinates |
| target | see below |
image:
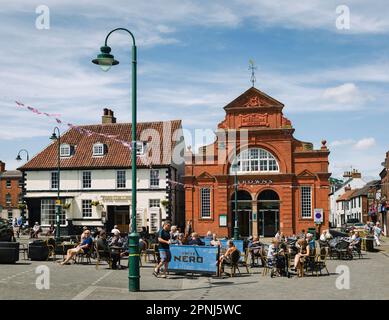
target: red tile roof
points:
(347, 195)
(118, 155)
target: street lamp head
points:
(18, 158)
(53, 136)
(105, 60)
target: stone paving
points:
(369, 279)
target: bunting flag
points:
(81, 130)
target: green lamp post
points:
(105, 60)
(58, 206)
(23, 208)
(236, 228)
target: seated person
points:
(305, 250)
(214, 242)
(51, 231)
(272, 252)
(105, 251)
(116, 240)
(36, 229)
(226, 258)
(355, 241)
(195, 240)
(83, 247)
(209, 235)
(255, 249)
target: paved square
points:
(369, 279)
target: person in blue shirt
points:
(83, 247)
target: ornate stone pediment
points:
(205, 176)
(306, 174)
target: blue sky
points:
(193, 59)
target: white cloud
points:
(339, 143)
(347, 93)
(365, 143)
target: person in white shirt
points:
(377, 233)
(115, 229)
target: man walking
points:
(164, 250)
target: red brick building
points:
(10, 192)
(281, 180)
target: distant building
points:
(10, 192)
(352, 180)
(355, 204)
(95, 177)
(384, 201)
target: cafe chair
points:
(320, 262)
(82, 257)
(102, 255)
(235, 257)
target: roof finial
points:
(252, 67)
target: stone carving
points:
(253, 102)
(257, 120)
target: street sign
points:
(318, 216)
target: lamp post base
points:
(133, 262)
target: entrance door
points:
(244, 213)
(269, 222)
(120, 216)
(269, 213)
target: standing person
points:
(15, 227)
(377, 233)
(115, 229)
(164, 249)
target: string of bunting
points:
(81, 130)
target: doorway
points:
(244, 213)
(269, 213)
(120, 216)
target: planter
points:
(38, 251)
(9, 252)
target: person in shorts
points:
(164, 249)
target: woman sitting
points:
(83, 247)
(214, 242)
(305, 250)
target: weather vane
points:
(252, 67)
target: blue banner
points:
(197, 259)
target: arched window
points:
(256, 160)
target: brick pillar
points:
(286, 212)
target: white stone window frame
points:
(256, 160)
(98, 149)
(121, 178)
(65, 150)
(86, 208)
(86, 179)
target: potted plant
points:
(165, 202)
(21, 206)
(95, 203)
(66, 205)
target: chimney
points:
(347, 174)
(2, 166)
(108, 116)
(348, 188)
(355, 174)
